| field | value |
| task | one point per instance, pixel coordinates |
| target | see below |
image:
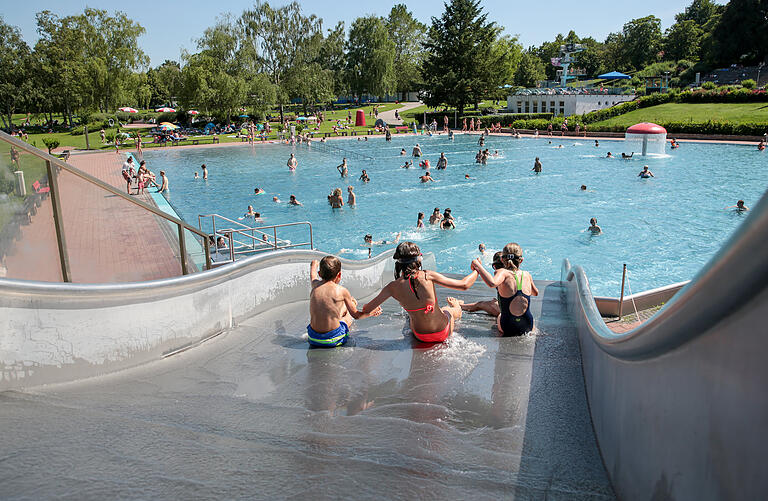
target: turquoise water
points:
(665, 228)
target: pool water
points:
(665, 228)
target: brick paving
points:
(108, 239)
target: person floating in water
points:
(292, 200)
(645, 173)
(402, 151)
(369, 242)
(674, 144)
(626, 157)
(196, 176)
(583, 187)
(536, 166)
(739, 207)
(609, 155)
(276, 199)
(597, 143)
(594, 228)
(514, 290)
(761, 146)
(414, 289)
(331, 307)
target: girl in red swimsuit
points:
(414, 289)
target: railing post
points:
(53, 184)
(231, 246)
(274, 229)
(182, 251)
(621, 298)
(207, 248)
(311, 240)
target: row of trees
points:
(705, 32)
(269, 56)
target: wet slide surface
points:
(254, 413)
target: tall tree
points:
(682, 40)
(642, 40)
(741, 34)
(458, 68)
(408, 35)
(279, 40)
(370, 57)
(165, 82)
(15, 64)
(530, 70)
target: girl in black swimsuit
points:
(511, 282)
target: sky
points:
(173, 25)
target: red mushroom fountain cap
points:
(647, 128)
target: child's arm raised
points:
(490, 280)
(452, 283)
(313, 275)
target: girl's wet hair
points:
(512, 256)
(497, 261)
(407, 263)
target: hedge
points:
(709, 127)
(505, 119)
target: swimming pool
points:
(665, 228)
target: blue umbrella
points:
(243, 116)
(614, 75)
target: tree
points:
(278, 40)
(213, 78)
(15, 64)
(459, 64)
(642, 40)
(530, 70)
(682, 40)
(592, 59)
(370, 57)
(407, 33)
(741, 33)
(700, 12)
(332, 57)
(165, 82)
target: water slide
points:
(203, 387)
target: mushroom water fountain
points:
(648, 138)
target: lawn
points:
(696, 113)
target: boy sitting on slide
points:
(331, 307)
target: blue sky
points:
(172, 25)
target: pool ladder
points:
(241, 239)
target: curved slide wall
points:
(679, 405)
(59, 332)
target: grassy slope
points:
(697, 113)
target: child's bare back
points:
(331, 307)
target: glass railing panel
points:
(194, 251)
(28, 241)
(110, 239)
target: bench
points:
(401, 128)
(40, 190)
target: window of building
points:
(519, 106)
(562, 104)
(562, 111)
(526, 106)
(535, 106)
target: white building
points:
(564, 104)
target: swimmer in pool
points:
(466, 176)
(609, 155)
(364, 177)
(481, 249)
(761, 146)
(342, 168)
(514, 290)
(626, 157)
(420, 220)
(196, 176)
(335, 199)
(645, 173)
(442, 162)
(258, 191)
(414, 289)
(594, 228)
(205, 171)
(426, 178)
(583, 187)
(352, 198)
(331, 306)
(369, 241)
(447, 224)
(417, 150)
(402, 151)
(739, 207)
(536, 165)
(276, 200)
(597, 143)
(293, 201)
(407, 165)
(436, 216)
(292, 162)
(250, 212)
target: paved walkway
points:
(108, 239)
(389, 116)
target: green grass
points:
(696, 113)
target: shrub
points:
(708, 85)
(77, 131)
(51, 143)
(748, 83)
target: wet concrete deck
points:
(254, 413)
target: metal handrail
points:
(51, 160)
